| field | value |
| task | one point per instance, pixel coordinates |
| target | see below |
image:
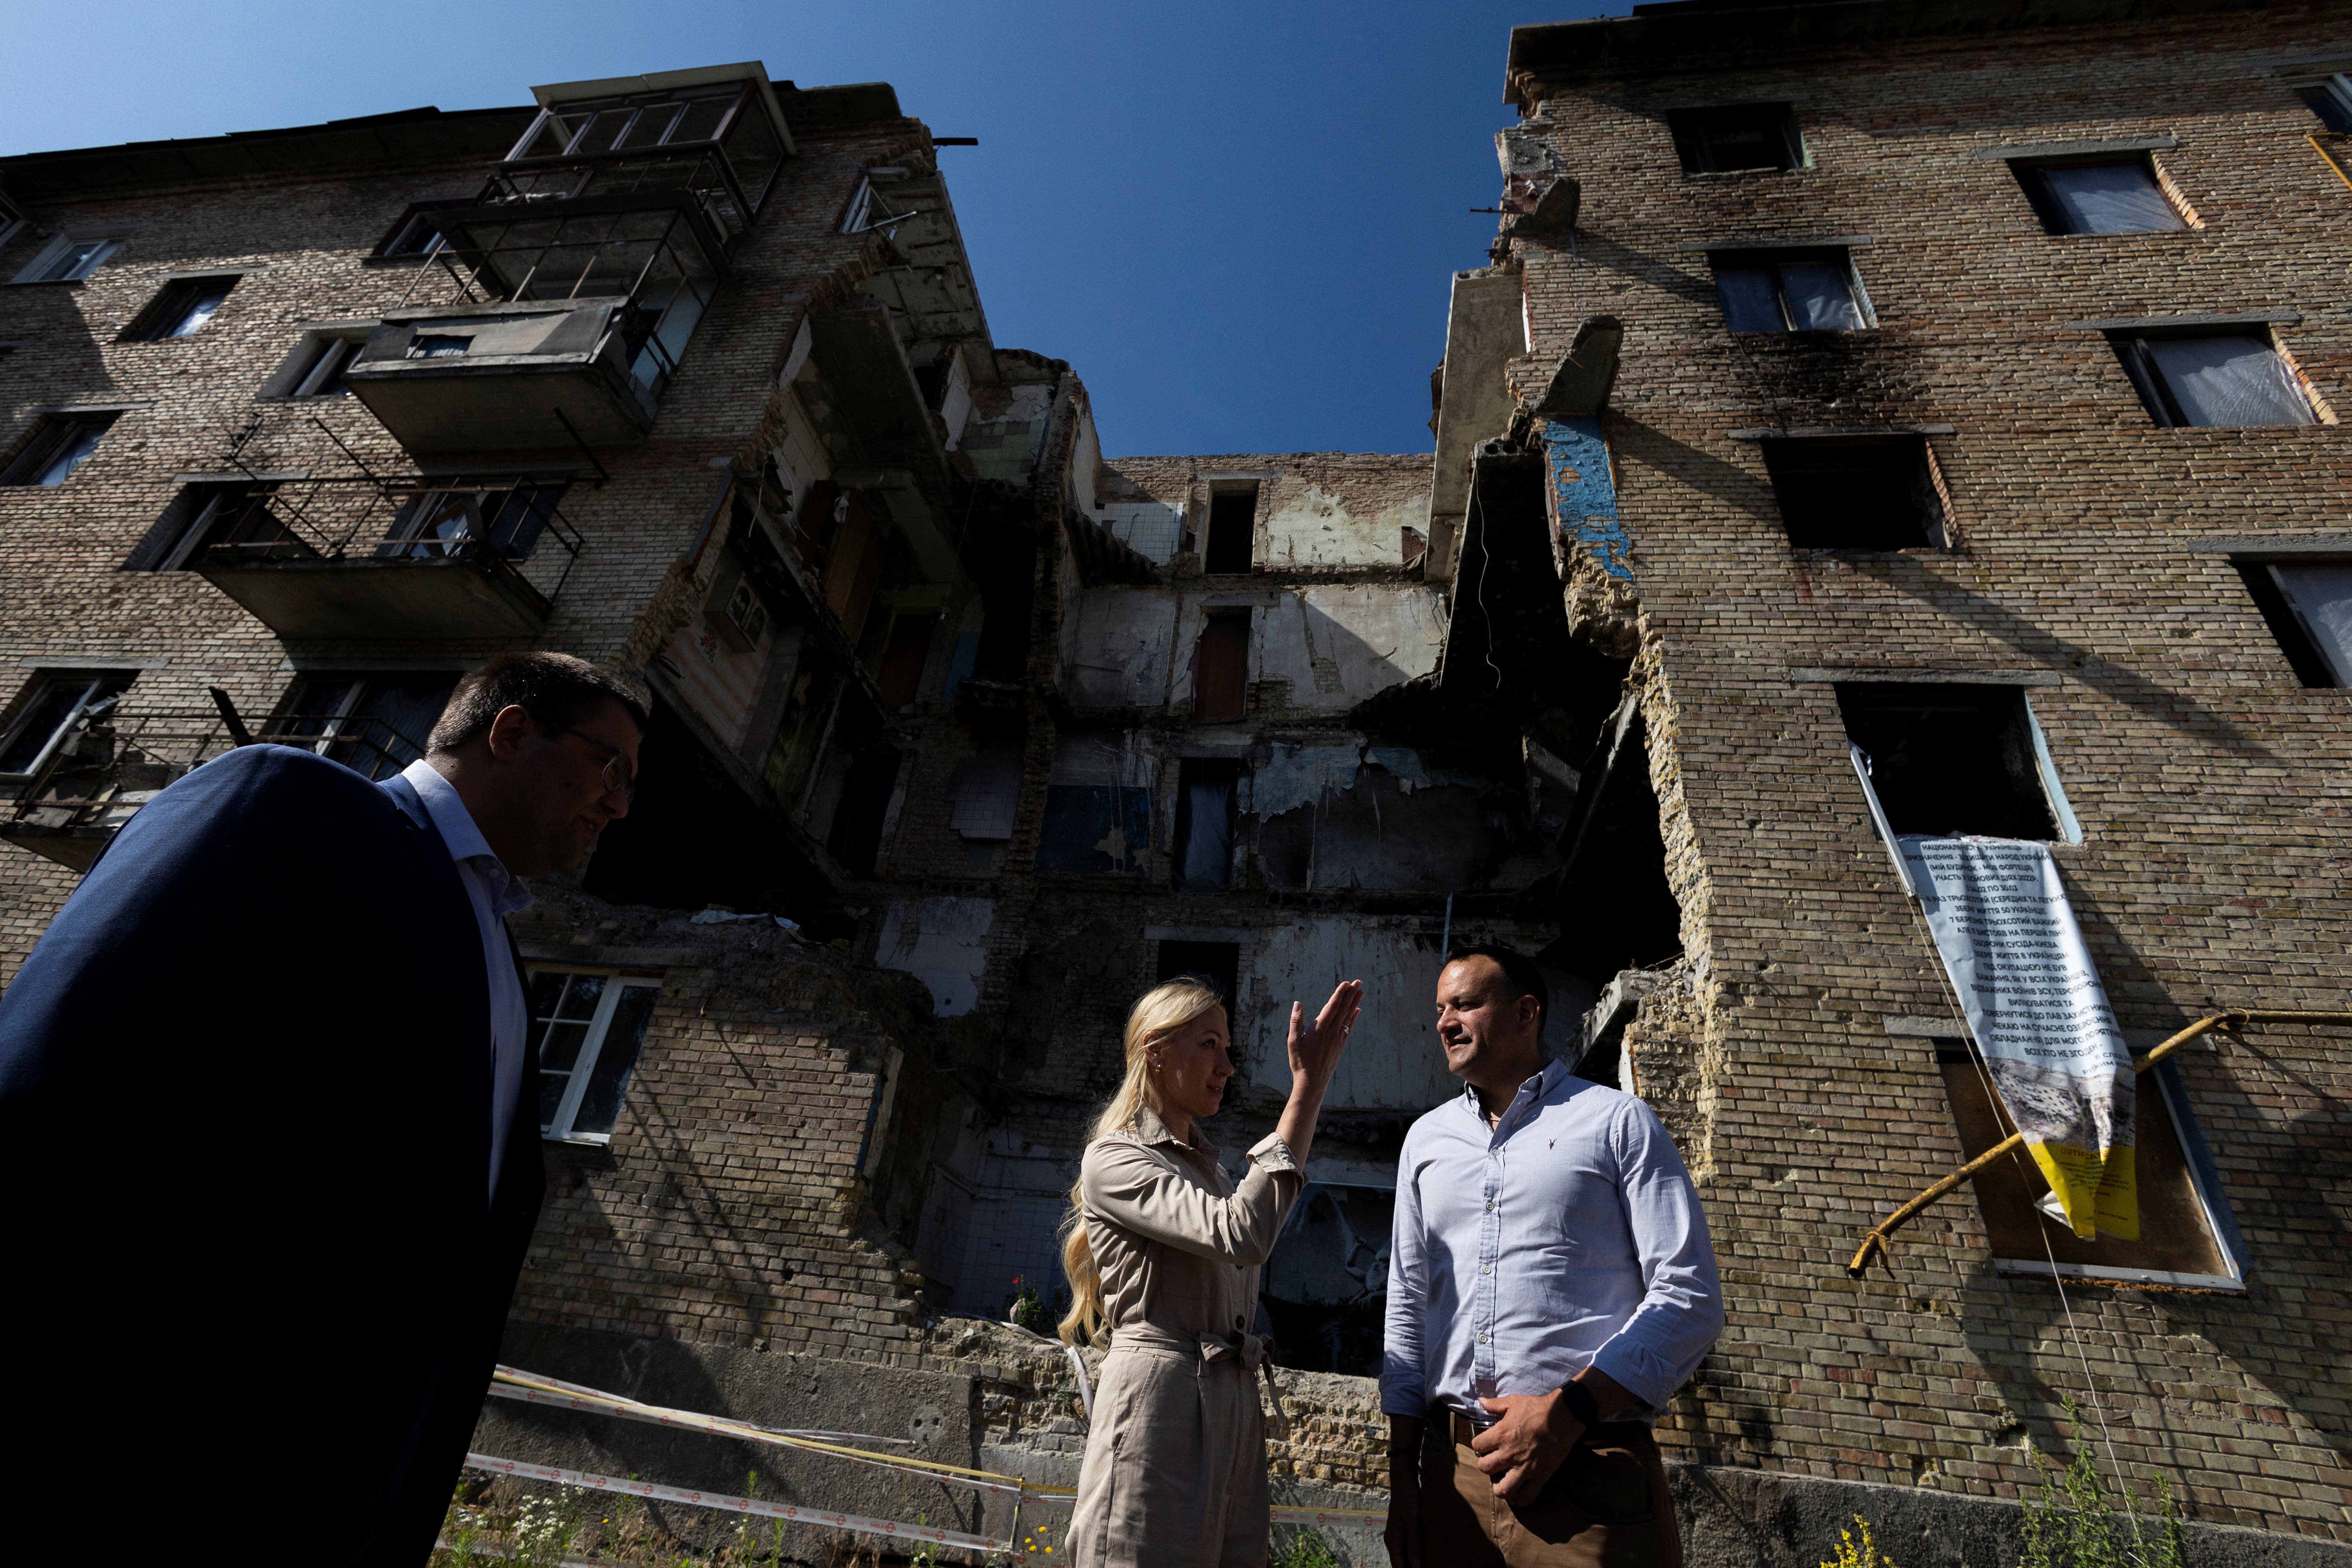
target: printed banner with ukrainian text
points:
(2008, 940)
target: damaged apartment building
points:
(1926, 413)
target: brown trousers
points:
(1605, 1507)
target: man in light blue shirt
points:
(1550, 1285)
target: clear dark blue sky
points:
(1237, 221)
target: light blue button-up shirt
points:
(495, 892)
(1568, 1236)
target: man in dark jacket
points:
(268, 1134)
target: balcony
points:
(109, 764)
(553, 311)
(395, 560)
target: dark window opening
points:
(59, 444)
(1205, 793)
(440, 345)
(50, 712)
(1325, 1287)
(2226, 379)
(2178, 1202)
(1735, 137)
(417, 231)
(1856, 492)
(2092, 195)
(1950, 758)
(1217, 962)
(855, 837)
(180, 310)
(372, 725)
(234, 515)
(316, 367)
(2308, 606)
(1789, 291)
(1233, 530)
(904, 658)
(2330, 98)
(1221, 667)
(687, 801)
(1616, 910)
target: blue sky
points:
(1236, 221)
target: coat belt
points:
(1209, 1347)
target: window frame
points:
(53, 436)
(2306, 652)
(2334, 86)
(294, 380)
(384, 255)
(2033, 179)
(358, 686)
(2130, 346)
(1771, 260)
(563, 1128)
(159, 320)
(63, 245)
(1935, 528)
(11, 218)
(1693, 147)
(90, 701)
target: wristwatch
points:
(1581, 1404)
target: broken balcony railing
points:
(714, 141)
(377, 557)
(111, 763)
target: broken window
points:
(59, 444)
(985, 789)
(1233, 528)
(416, 232)
(66, 259)
(2308, 605)
(589, 1027)
(50, 712)
(180, 310)
(1856, 492)
(1218, 962)
(2231, 378)
(233, 514)
(1221, 667)
(1098, 806)
(1737, 136)
(373, 724)
(1955, 758)
(1206, 789)
(1789, 291)
(315, 368)
(2098, 195)
(449, 522)
(2186, 1236)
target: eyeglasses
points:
(616, 773)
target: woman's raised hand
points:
(1315, 1048)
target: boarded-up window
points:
(1232, 530)
(1204, 823)
(1221, 666)
(2183, 1216)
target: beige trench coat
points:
(1175, 1469)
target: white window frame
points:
(559, 1129)
(49, 255)
(83, 707)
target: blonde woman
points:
(1162, 1253)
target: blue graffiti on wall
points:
(1585, 493)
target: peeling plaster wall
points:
(943, 942)
(1316, 511)
(1393, 1060)
(1118, 647)
(1336, 646)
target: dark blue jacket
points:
(253, 1281)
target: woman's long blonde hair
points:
(1157, 1014)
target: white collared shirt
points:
(495, 892)
(1567, 1235)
